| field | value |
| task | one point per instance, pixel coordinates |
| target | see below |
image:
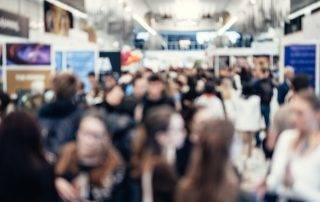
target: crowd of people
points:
(178, 135)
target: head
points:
(208, 177)
(65, 86)
(92, 79)
(109, 81)
(289, 73)
(305, 108)
(201, 116)
(115, 95)
(4, 102)
(300, 83)
(140, 85)
(247, 90)
(20, 138)
(93, 138)
(164, 127)
(209, 88)
(162, 132)
(156, 87)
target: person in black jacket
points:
(25, 176)
(155, 96)
(59, 119)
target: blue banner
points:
(302, 57)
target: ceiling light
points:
(227, 26)
(144, 24)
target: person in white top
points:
(210, 101)
(296, 161)
(247, 116)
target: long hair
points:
(207, 178)
(22, 162)
(68, 159)
(20, 142)
(145, 144)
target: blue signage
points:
(302, 57)
(81, 62)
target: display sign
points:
(115, 59)
(13, 25)
(28, 54)
(81, 62)
(299, 4)
(22, 79)
(57, 20)
(303, 59)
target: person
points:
(284, 87)
(59, 119)
(300, 83)
(247, 116)
(282, 121)
(153, 176)
(264, 89)
(296, 157)
(109, 80)
(139, 85)
(26, 176)
(210, 101)
(90, 168)
(95, 95)
(207, 180)
(120, 120)
(5, 102)
(155, 96)
(81, 95)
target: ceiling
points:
(190, 7)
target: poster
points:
(57, 20)
(81, 62)
(13, 25)
(302, 57)
(18, 80)
(28, 54)
(115, 59)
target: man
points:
(59, 119)
(154, 97)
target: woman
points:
(207, 180)
(153, 176)
(26, 176)
(295, 167)
(211, 101)
(90, 168)
(247, 117)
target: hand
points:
(261, 189)
(66, 191)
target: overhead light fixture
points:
(64, 6)
(144, 24)
(227, 26)
(304, 11)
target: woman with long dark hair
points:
(210, 177)
(25, 175)
(153, 163)
(90, 168)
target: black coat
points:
(59, 121)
